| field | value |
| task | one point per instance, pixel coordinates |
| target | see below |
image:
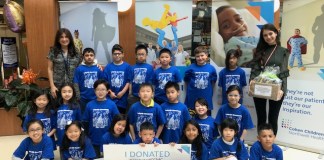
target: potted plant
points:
(18, 94)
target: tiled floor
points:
(9, 143)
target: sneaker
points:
(302, 68)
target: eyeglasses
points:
(117, 54)
(35, 130)
(233, 95)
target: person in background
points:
(151, 56)
(62, 60)
(77, 42)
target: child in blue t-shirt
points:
(206, 123)
(41, 109)
(228, 145)
(147, 135)
(75, 144)
(193, 135)
(99, 114)
(117, 73)
(37, 145)
(234, 110)
(232, 74)
(200, 78)
(163, 75)
(142, 72)
(265, 148)
(69, 110)
(85, 75)
(176, 114)
(146, 110)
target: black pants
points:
(274, 109)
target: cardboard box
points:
(265, 90)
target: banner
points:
(97, 28)
(301, 115)
(148, 152)
(9, 52)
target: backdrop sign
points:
(161, 152)
(302, 110)
(98, 27)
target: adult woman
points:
(270, 53)
(180, 56)
(62, 60)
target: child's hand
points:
(100, 67)
(156, 144)
(142, 144)
(112, 95)
(119, 95)
(172, 144)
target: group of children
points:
(154, 116)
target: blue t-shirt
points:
(161, 77)
(177, 115)
(99, 114)
(141, 73)
(257, 152)
(220, 149)
(118, 76)
(65, 115)
(75, 151)
(139, 140)
(109, 138)
(35, 151)
(231, 77)
(48, 122)
(85, 76)
(138, 114)
(241, 115)
(208, 129)
(204, 153)
(200, 81)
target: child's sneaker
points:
(302, 68)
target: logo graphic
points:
(286, 123)
(321, 74)
(185, 148)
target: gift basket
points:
(267, 85)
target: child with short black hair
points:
(176, 114)
(163, 75)
(200, 78)
(147, 135)
(232, 74)
(228, 145)
(117, 75)
(99, 114)
(69, 110)
(38, 145)
(146, 110)
(206, 123)
(265, 148)
(142, 72)
(75, 144)
(41, 109)
(234, 110)
(85, 75)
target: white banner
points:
(148, 152)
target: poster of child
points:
(234, 24)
